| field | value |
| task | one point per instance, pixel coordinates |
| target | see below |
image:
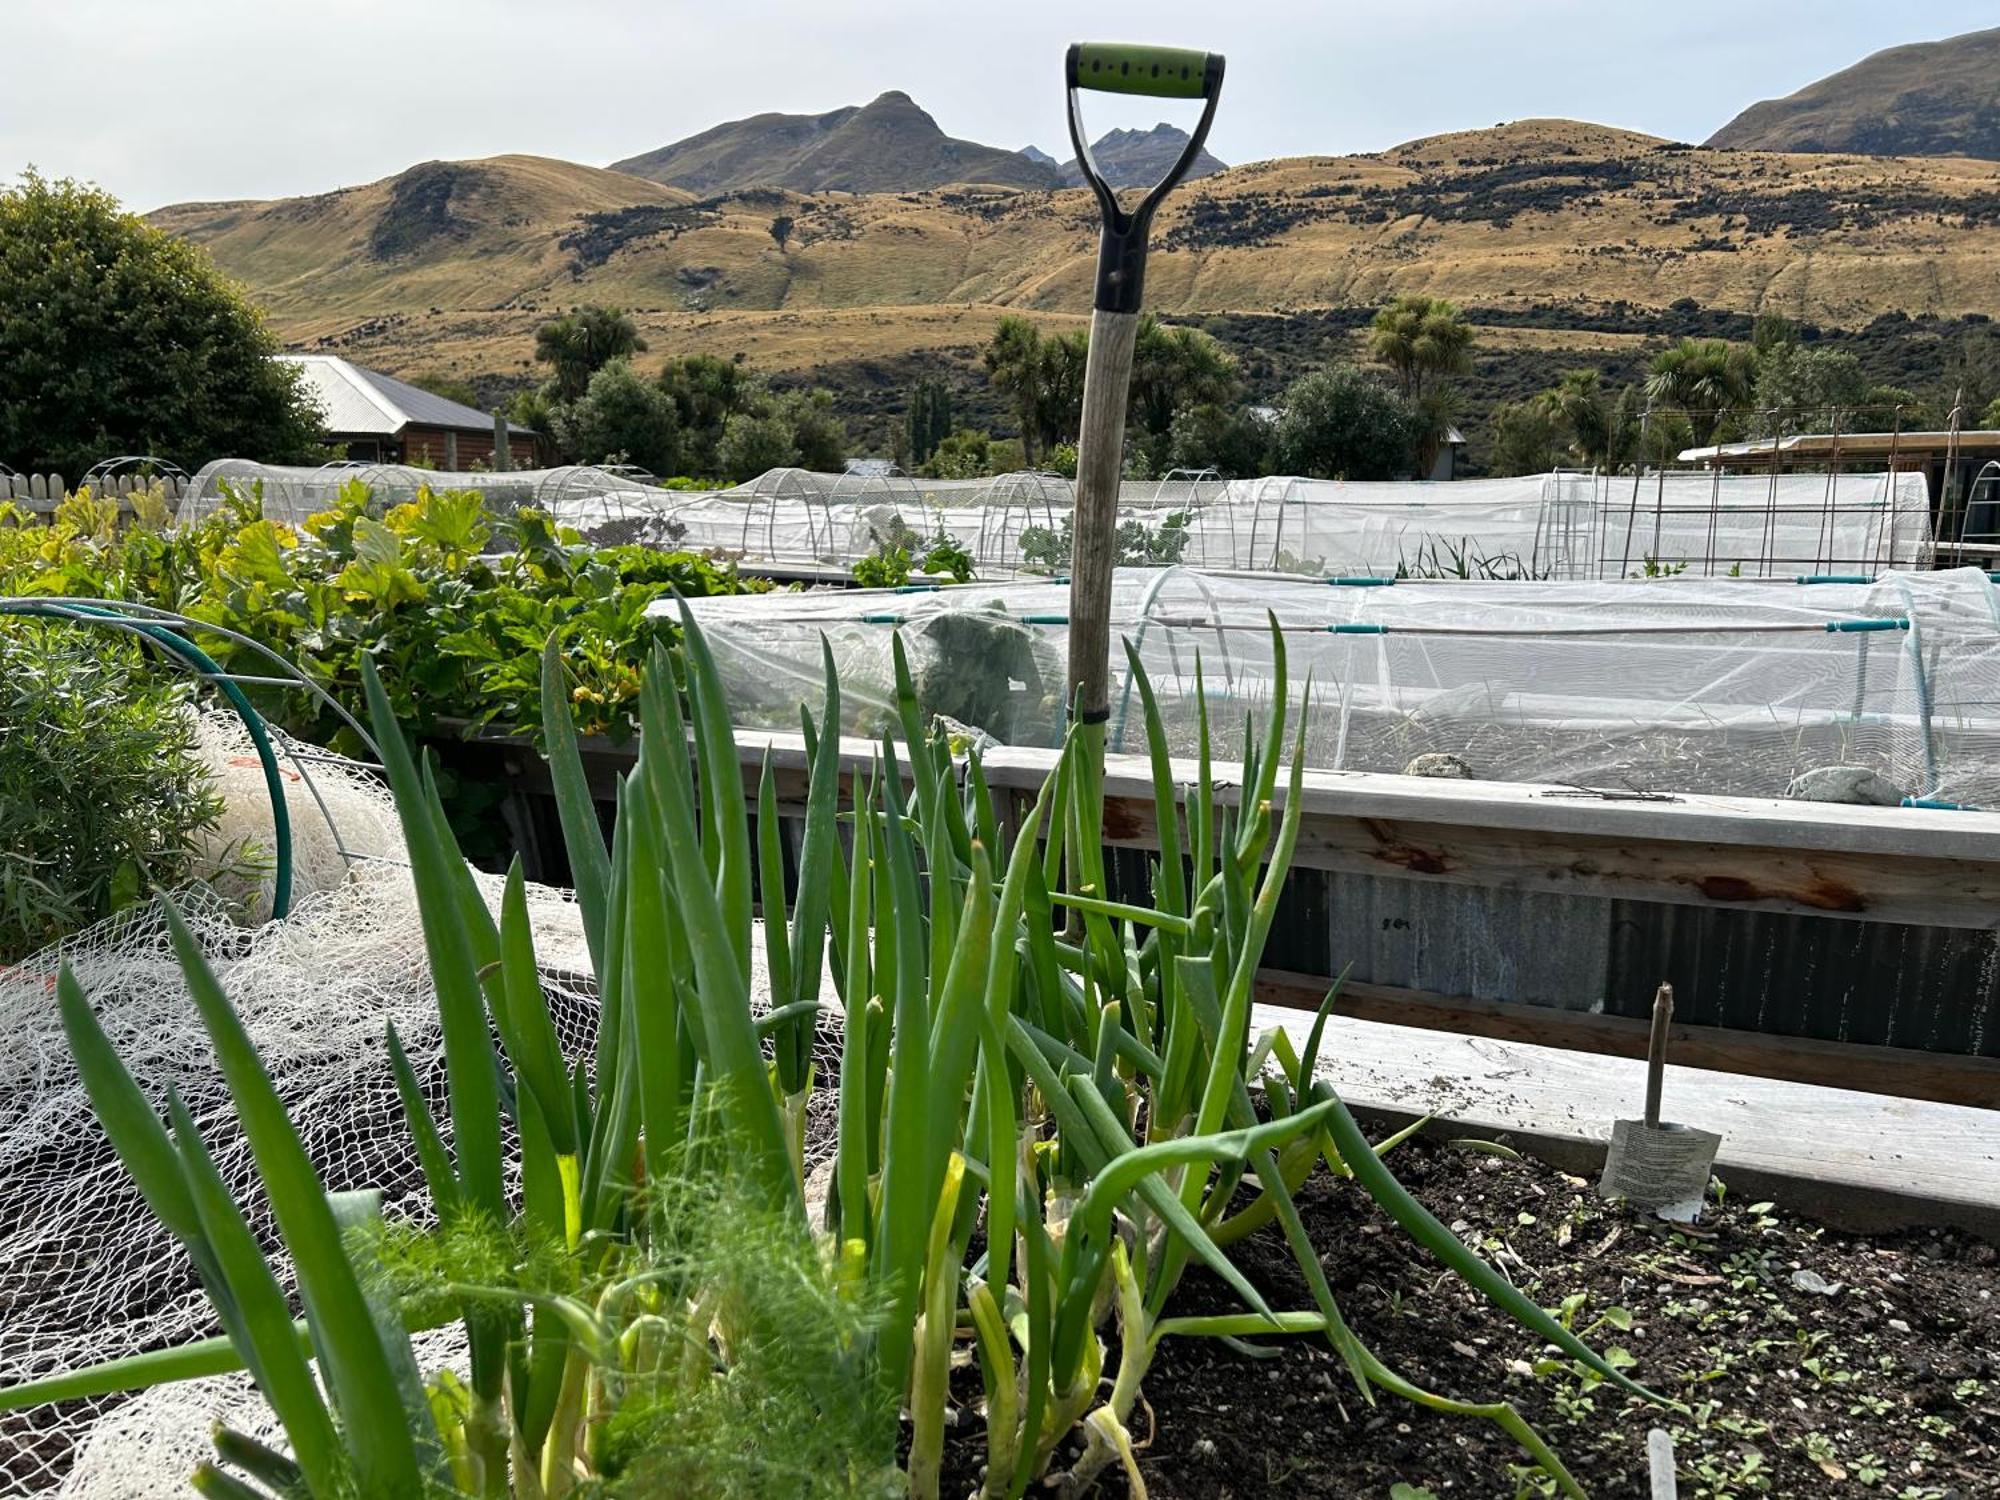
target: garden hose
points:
(253, 722)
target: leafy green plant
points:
(1441, 557)
(896, 558)
(1018, 1053)
(1047, 549)
(452, 604)
(103, 791)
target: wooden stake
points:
(1656, 1053)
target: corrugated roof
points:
(1841, 444)
(358, 401)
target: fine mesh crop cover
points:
(1551, 526)
(1682, 684)
(86, 1272)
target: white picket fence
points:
(44, 492)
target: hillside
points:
(888, 146)
(1140, 158)
(1558, 235)
(442, 235)
(1926, 99)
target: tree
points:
(781, 230)
(1990, 418)
(1059, 418)
(1340, 423)
(753, 444)
(1576, 402)
(707, 390)
(1889, 408)
(583, 341)
(1436, 412)
(1235, 441)
(1423, 340)
(1526, 437)
(116, 338)
(1041, 375)
(620, 418)
(819, 439)
(1173, 367)
(1805, 389)
(1708, 379)
(1772, 331)
(928, 421)
(1014, 367)
(1629, 428)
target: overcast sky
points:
(210, 99)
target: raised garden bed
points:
(1812, 1361)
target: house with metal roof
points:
(380, 419)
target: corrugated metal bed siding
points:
(1931, 988)
(1934, 989)
(1927, 989)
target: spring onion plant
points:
(1049, 1107)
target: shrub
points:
(753, 444)
(1342, 424)
(103, 791)
(117, 338)
(620, 417)
(965, 454)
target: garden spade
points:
(1115, 68)
(1654, 1164)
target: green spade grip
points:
(1133, 68)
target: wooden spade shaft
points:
(1100, 462)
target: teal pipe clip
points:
(1851, 627)
(1360, 581)
(1835, 578)
(1357, 630)
(1938, 803)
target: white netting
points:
(86, 1274)
(337, 817)
(1679, 684)
(1545, 526)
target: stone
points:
(1441, 764)
(1855, 785)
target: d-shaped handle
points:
(1130, 68)
(1133, 68)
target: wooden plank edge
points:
(1901, 1072)
(1848, 1206)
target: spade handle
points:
(1656, 1053)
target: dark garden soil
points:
(1813, 1363)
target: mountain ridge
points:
(449, 267)
(887, 145)
(1937, 98)
(1140, 158)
